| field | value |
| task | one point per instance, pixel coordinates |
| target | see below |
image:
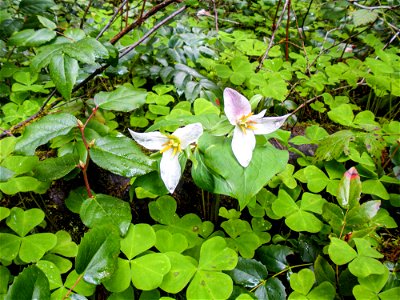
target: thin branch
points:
(111, 20)
(215, 15)
(355, 3)
(151, 31)
(287, 33)
(139, 21)
(85, 13)
(8, 132)
(271, 42)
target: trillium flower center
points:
(244, 123)
(173, 143)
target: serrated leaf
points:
(31, 283)
(97, 254)
(248, 273)
(120, 155)
(274, 257)
(364, 16)
(56, 168)
(42, 131)
(334, 146)
(272, 289)
(35, 6)
(63, 72)
(44, 55)
(104, 209)
(122, 99)
(32, 38)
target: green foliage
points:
(313, 216)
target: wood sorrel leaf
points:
(216, 256)
(34, 246)
(121, 278)
(209, 285)
(140, 238)
(182, 270)
(148, 270)
(340, 252)
(24, 221)
(302, 281)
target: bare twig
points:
(31, 118)
(111, 20)
(85, 13)
(287, 32)
(355, 3)
(271, 42)
(139, 21)
(215, 15)
(151, 31)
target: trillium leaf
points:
(222, 174)
(122, 99)
(97, 254)
(106, 209)
(120, 155)
(44, 130)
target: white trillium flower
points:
(238, 111)
(170, 146)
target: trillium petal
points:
(170, 170)
(150, 140)
(235, 105)
(243, 144)
(257, 116)
(189, 134)
(268, 125)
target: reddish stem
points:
(84, 166)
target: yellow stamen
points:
(174, 143)
(245, 124)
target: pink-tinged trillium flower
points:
(238, 111)
(170, 146)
